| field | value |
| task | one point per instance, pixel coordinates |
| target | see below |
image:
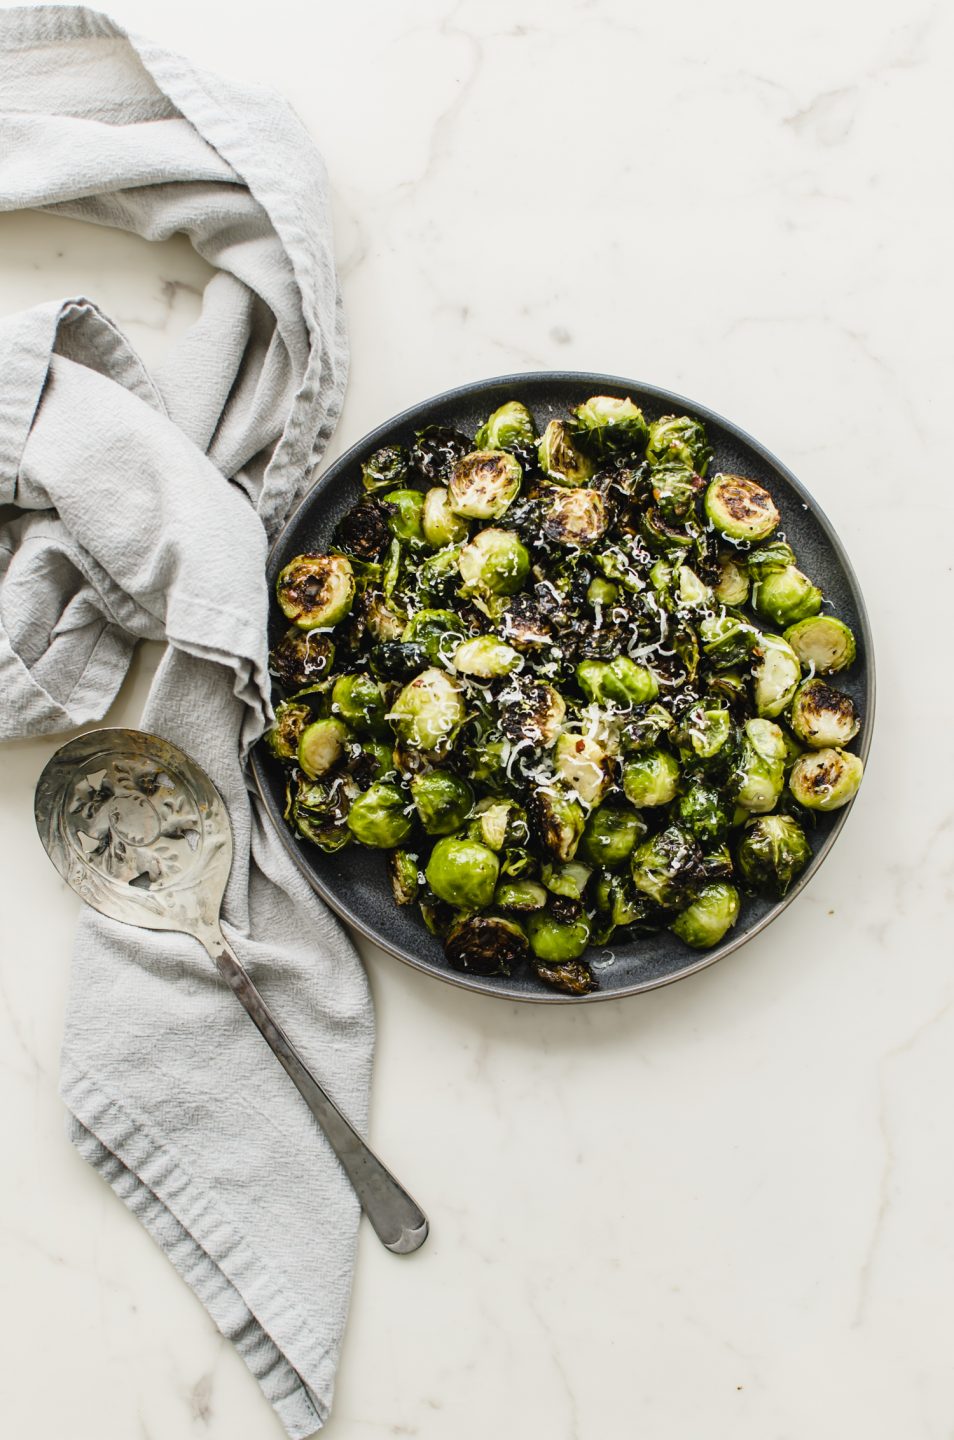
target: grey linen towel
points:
(142, 508)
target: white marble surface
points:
(724, 1209)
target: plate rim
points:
(459, 979)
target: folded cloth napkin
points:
(142, 508)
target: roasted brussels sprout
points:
(822, 717)
(674, 489)
(315, 590)
(732, 586)
(301, 658)
(485, 657)
(321, 746)
(442, 800)
(463, 872)
(702, 811)
(826, 779)
(495, 561)
(386, 468)
(559, 821)
(785, 596)
(381, 621)
(776, 673)
(379, 817)
(822, 643)
(758, 777)
(484, 483)
(428, 712)
(569, 880)
(318, 813)
(647, 726)
(618, 682)
(404, 511)
(360, 703)
(439, 525)
(605, 423)
(405, 879)
(524, 625)
(739, 509)
(485, 945)
(531, 712)
(611, 835)
(290, 720)
(556, 941)
(727, 640)
(438, 632)
(584, 766)
(668, 867)
(651, 778)
(510, 427)
(772, 852)
(679, 437)
(572, 977)
(714, 911)
(575, 517)
(560, 458)
(364, 532)
(705, 732)
(497, 823)
(436, 449)
(520, 895)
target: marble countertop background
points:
(723, 1209)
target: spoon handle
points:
(399, 1223)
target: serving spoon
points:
(141, 834)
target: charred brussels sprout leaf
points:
(740, 509)
(484, 483)
(821, 716)
(442, 800)
(679, 437)
(605, 424)
(290, 720)
(315, 590)
(572, 977)
(714, 911)
(826, 779)
(402, 867)
(511, 427)
(386, 468)
(772, 853)
(485, 945)
(463, 872)
(379, 818)
(559, 820)
(560, 458)
(318, 813)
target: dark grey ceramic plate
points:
(354, 881)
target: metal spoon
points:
(140, 833)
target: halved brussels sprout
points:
(386, 468)
(484, 483)
(569, 880)
(772, 852)
(575, 517)
(776, 673)
(651, 778)
(463, 872)
(442, 800)
(668, 867)
(524, 625)
(585, 767)
(360, 702)
(379, 818)
(495, 561)
(510, 427)
(363, 532)
(705, 732)
(405, 880)
(611, 835)
(438, 631)
(318, 813)
(786, 596)
(559, 821)
(382, 622)
(689, 592)
(520, 895)
(675, 487)
(714, 911)
(398, 660)
(439, 525)
(826, 779)
(679, 437)
(619, 682)
(739, 509)
(485, 657)
(776, 555)
(759, 775)
(702, 811)
(321, 746)
(821, 716)
(531, 711)
(301, 658)
(556, 941)
(648, 725)
(428, 711)
(573, 977)
(436, 449)
(485, 945)
(727, 640)
(315, 590)
(605, 423)
(559, 458)
(732, 586)
(404, 510)
(822, 642)
(497, 823)
(290, 720)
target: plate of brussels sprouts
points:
(573, 687)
